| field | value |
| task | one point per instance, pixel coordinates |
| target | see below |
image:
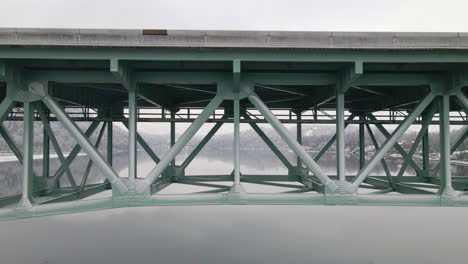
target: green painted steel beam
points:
(331, 140)
(463, 101)
(383, 183)
(90, 162)
(285, 185)
(5, 108)
(359, 78)
(7, 200)
(202, 184)
(397, 146)
(132, 131)
(6, 136)
(84, 142)
(184, 138)
(121, 73)
(55, 144)
(269, 55)
(408, 189)
(299, 138)
(390, 142)
(28, 137)
(376, 146)
(269, 143)
(82, 193)
(144, 145)
(201, 145)
(362, 143)
(425, 149)
(236, 143)
(298, 149)
(416, 141)
(455, 146)
(110, 140)
(340, 131)
(45, 152)
(173, 135)
(456, 184)
(350, 75)
(75, 151)
(444, 135)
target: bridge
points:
(104, 77)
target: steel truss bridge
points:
(131, 76)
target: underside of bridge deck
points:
(104, 85)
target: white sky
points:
(329, 15)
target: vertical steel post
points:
(299, 136)
(340, 144)
(236, 143)
(425, 151)
(173, 130)
(362, 143)
(445, 172)
(110, 144)
(132, 130)
(45, 150)
(28, 133)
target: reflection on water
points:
(208, 162)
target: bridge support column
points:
(425, 151)
(132, 134)
(110, 141)
(236, 143)
(173, 131)
(28, 133)
(299, 137)
(45, 151)
(447, 194)
(362, 143)
(340, 139)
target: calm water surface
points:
(234, 234)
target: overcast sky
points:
(294, 15)
(329, 15)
